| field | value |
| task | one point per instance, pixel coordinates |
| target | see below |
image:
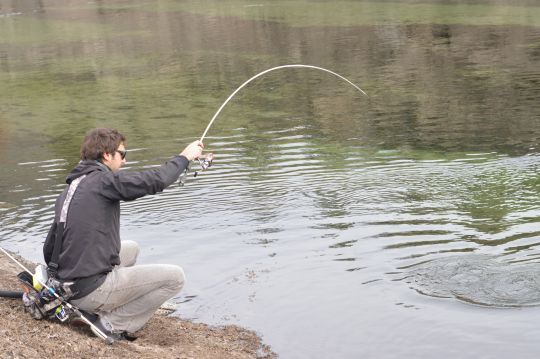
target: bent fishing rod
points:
(270, 70)
(51, 290)
(207, 161)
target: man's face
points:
(114, 160)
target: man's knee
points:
(130, 246)
(129, 252)
(177, 277)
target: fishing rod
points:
(270, 70)
(10, 294)
(207, 161)
(51, 290)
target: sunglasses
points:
(122, 154)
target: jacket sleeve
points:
(127, 186)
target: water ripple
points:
(477, 279)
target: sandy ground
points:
(162, 337)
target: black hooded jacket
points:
(91, 241)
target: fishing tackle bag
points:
(41, 303)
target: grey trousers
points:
(131, 294)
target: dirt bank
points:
(162, 337)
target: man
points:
(90, 253)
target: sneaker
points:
(129, 336)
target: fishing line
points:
(267, 71)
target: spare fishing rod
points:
(10, 294)
(51, 290)
(207, 161)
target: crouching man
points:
(84, 247)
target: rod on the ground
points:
(10, 294)
(64, 302)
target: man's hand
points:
(193, 150)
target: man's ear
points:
(107, 157)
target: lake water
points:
(403, 224)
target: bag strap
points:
(52, 268)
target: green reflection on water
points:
(343, 13)
(351, 13)
(429, 97)
(24, 30)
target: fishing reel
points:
(205, 163)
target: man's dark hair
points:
(99, 141)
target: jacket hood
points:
(85, 167)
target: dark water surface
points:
(333, 224)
